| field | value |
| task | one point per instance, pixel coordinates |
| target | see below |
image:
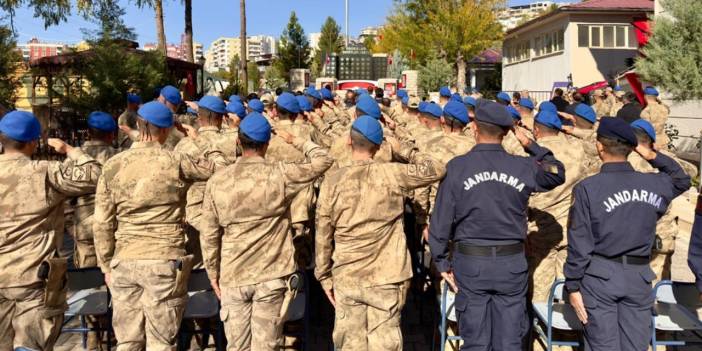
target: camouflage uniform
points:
(616, 106)
(548, 217)
(340, 149)
(139, 239)
(588, 140)
(601, 109)
(657, 114)
(246, 218)
(84, 253)
(667, 225)
(127, 118)
(368, 265)
(32, 194)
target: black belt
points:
(626, 259)
(498, 250)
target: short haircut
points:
(207, 114)
(370, 89)
(642, 137)
(360, 112)
(631, 97)
(583, 122)
(545, 128)
(96, 134)
(360, 142)
(379, 92)
(328, 87)
(278, 91)
(146, 128)
(12, 144)
(516, 95)
(491, 130)
(283, 113)
(558, 92)
(577, 97)
(453, 123)
(614, 147)
(250, 144)
(251, 96)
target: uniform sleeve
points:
(694, 258)
(210, 233)
(324, 237)
(581, 242)
(588, 137)
(199, 169)
(104, 225)
(549, 172)
(441, 228)
(298, 175)
(680, 179)
(77, 175)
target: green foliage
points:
(293, 47)
(52, 12)
(10, 61)
(232, 77)
(107, 14)
(254, 75)
(673, 56)
(274, 78)
(435, 73)
(330, 41)
(369, 43)
(399, 64)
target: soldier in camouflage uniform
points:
(657, 114)
(32, 195)
(548, 212)
(618, 103)
(584, 128)
(246, 238)
(139, 237)
(366, 272)
(600, 106)
(128, 118)
(667, 226)
(170, 96)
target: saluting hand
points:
(576, 300)
(645, 152)
(287, 137)
(523, 139)
(59, 145)
(189, 131)
(450, 279)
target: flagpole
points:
(347, 21)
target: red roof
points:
(612, 5)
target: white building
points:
(589, 42)
(511, 16)
(223, 49)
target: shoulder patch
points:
(423, 168)
(76, 174)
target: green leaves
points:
(10, 60)
(293, 47)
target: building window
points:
(606, 36)
(549, 43)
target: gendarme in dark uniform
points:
(481, 206)
(610, 235)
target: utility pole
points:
(347, 22)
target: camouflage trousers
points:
(84, 253)
(148, 304)
(368, 319)
(660, 264)
(251, 315)
(545, 266)
(24, 322)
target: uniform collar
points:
(556, 137)
(617, 167)
(284, 122)
(145, 144)
(255, 159)
(208, 129)
(488, 147)
(13, 157)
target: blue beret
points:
(548, 106)
(102, 121)
(256, 105)
(618, 88)
(650, 91)
(370, 128)
(504, 97)
(585, 111)
(469, 100)
(189, 110)
(422, 105)
(524, 102)
(326, 94)
(172, 94)
(401, 93)
(256, 127)
(20, 126)
(360, 92)
(646, 127)
(456, 97)
(313, 93)
(157, 114)
(513, 112)
(304, 103)
(234, 98)
(236, 108)
(618, 129)
(133, 99)
(445, 92)
(288, 102)
(433, 110)
(405, 100)
(493, 113)
(456, 110)
(369, 106)
(549, 119)
(213, 104)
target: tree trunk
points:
(461, 68)
(160, 30)
(242, 54)
(188, 47)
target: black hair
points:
(146, 128)
(278, 91)
(250, 144)
(251, 96)
(9, 143)
(379, 92)
(328, 87)
(631, 97)
(452, 122)
(96, 134)
(516, 95)
(360, 142)
(283, 113)
(558, 92)
(614, 146)
(577, 97)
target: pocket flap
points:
(648, 275)
(599, 271)
(469, 270)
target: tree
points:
(254, 76)
(293, 47)
(234, 83)
(369, 43)
(242, 64)
(188, 33)
(157, 5)
(437, 72)
(274, 78)
(107, 15)
(398, 64)
(52, 12)
(330, 41)
(10, 61)
(673, 56)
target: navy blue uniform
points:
(482, 204)
(610, 236)
(694, 258)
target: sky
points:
(217, 18)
